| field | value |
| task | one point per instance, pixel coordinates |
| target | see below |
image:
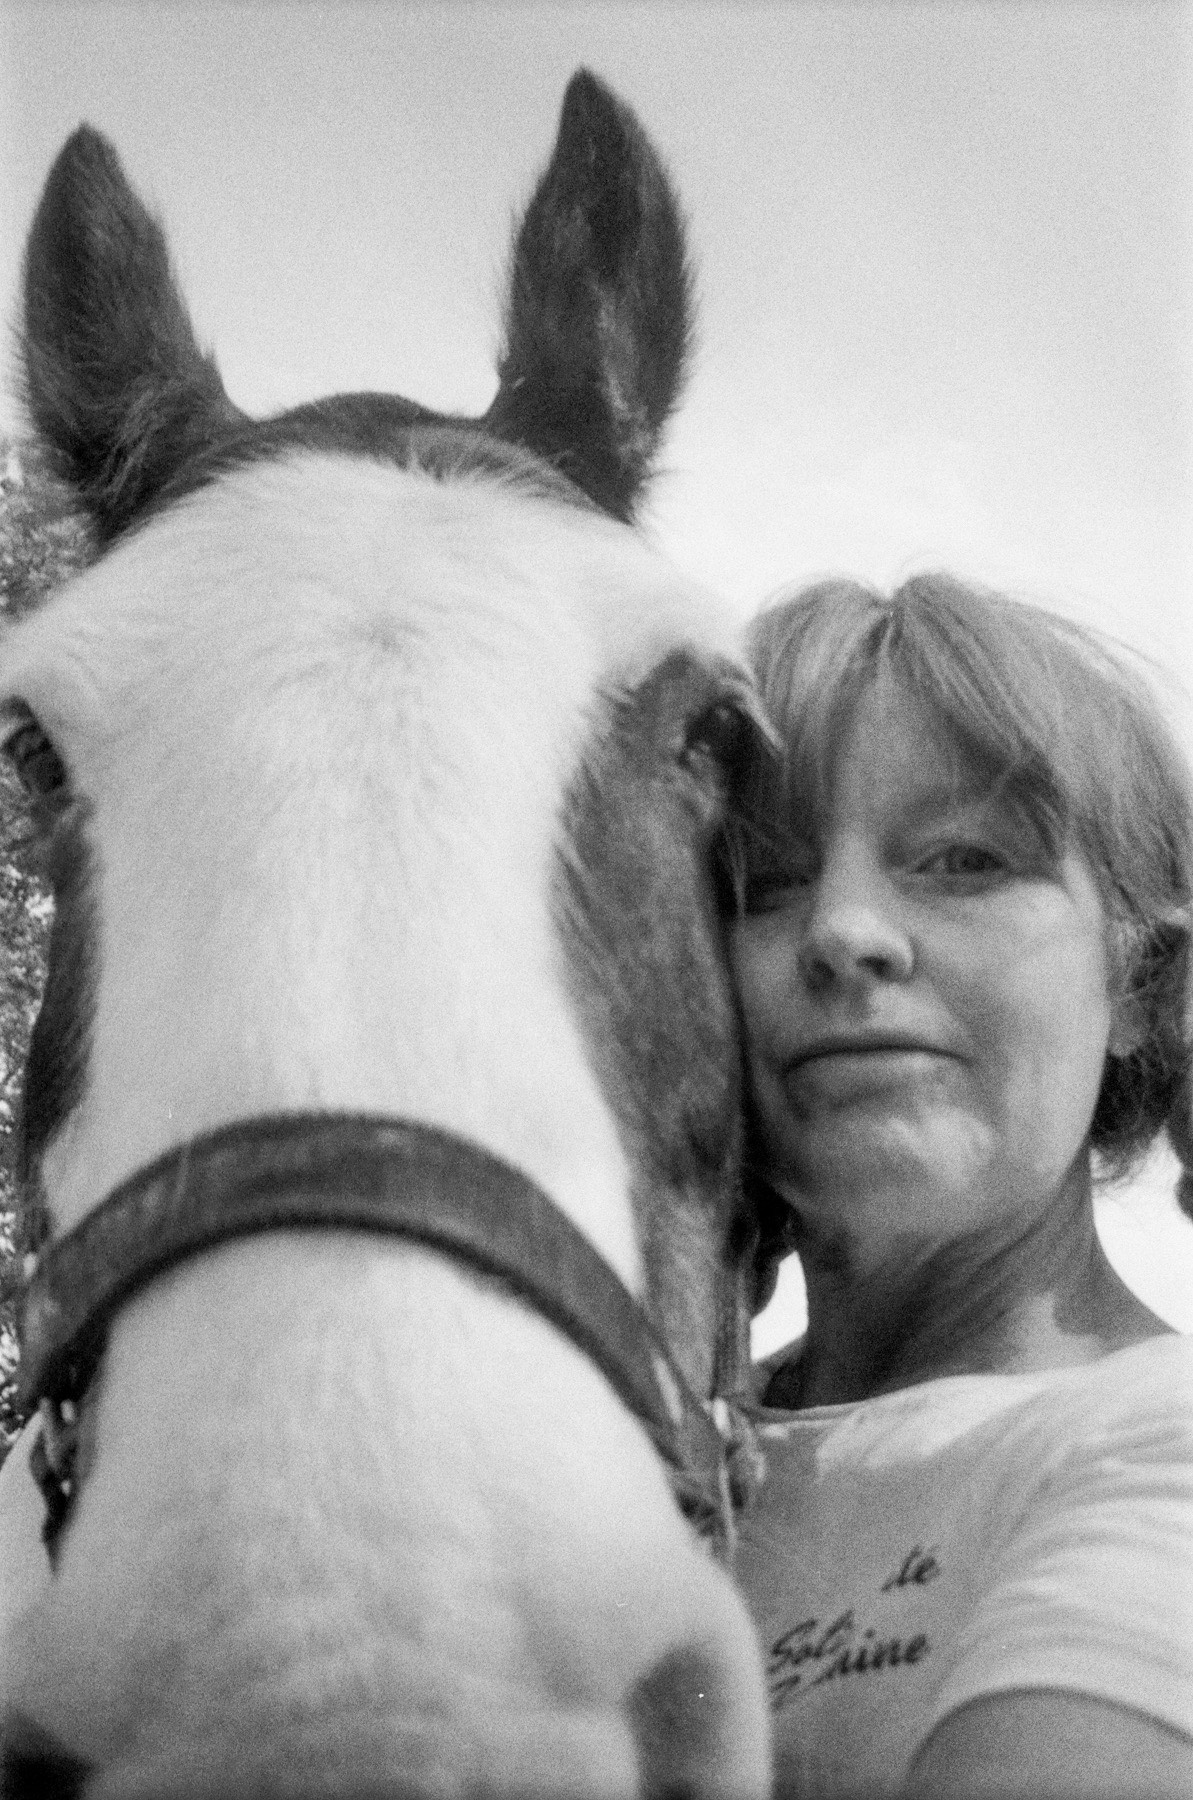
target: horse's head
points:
(378, 760)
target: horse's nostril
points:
(676, 1717)
(34, 1765)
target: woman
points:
(961, 921)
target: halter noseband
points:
(372, 1174)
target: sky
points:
(944, 249)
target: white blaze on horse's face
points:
(324, 715)
(393, 759)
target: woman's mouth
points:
(838, 1069)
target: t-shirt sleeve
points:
(1088, 1585)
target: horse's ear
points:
(600, 312)
(113, 379)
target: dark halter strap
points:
(373, 1174)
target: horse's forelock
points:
(381, 428)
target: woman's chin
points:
(889, 1171)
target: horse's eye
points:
(728, 743)
(717, 734)
(37, 763)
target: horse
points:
(383, 1108)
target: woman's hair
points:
(1052, 715)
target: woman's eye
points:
(961, 860)
(35, 760)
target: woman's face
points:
(925, 995)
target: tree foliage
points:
(43, 539)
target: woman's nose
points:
(854, 934)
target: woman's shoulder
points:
(1147, 1387)
(1121, 1424)
(1167, 1356)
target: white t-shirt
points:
(969, 1536)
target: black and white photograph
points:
(596, 897)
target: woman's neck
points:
(1037, 1297)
